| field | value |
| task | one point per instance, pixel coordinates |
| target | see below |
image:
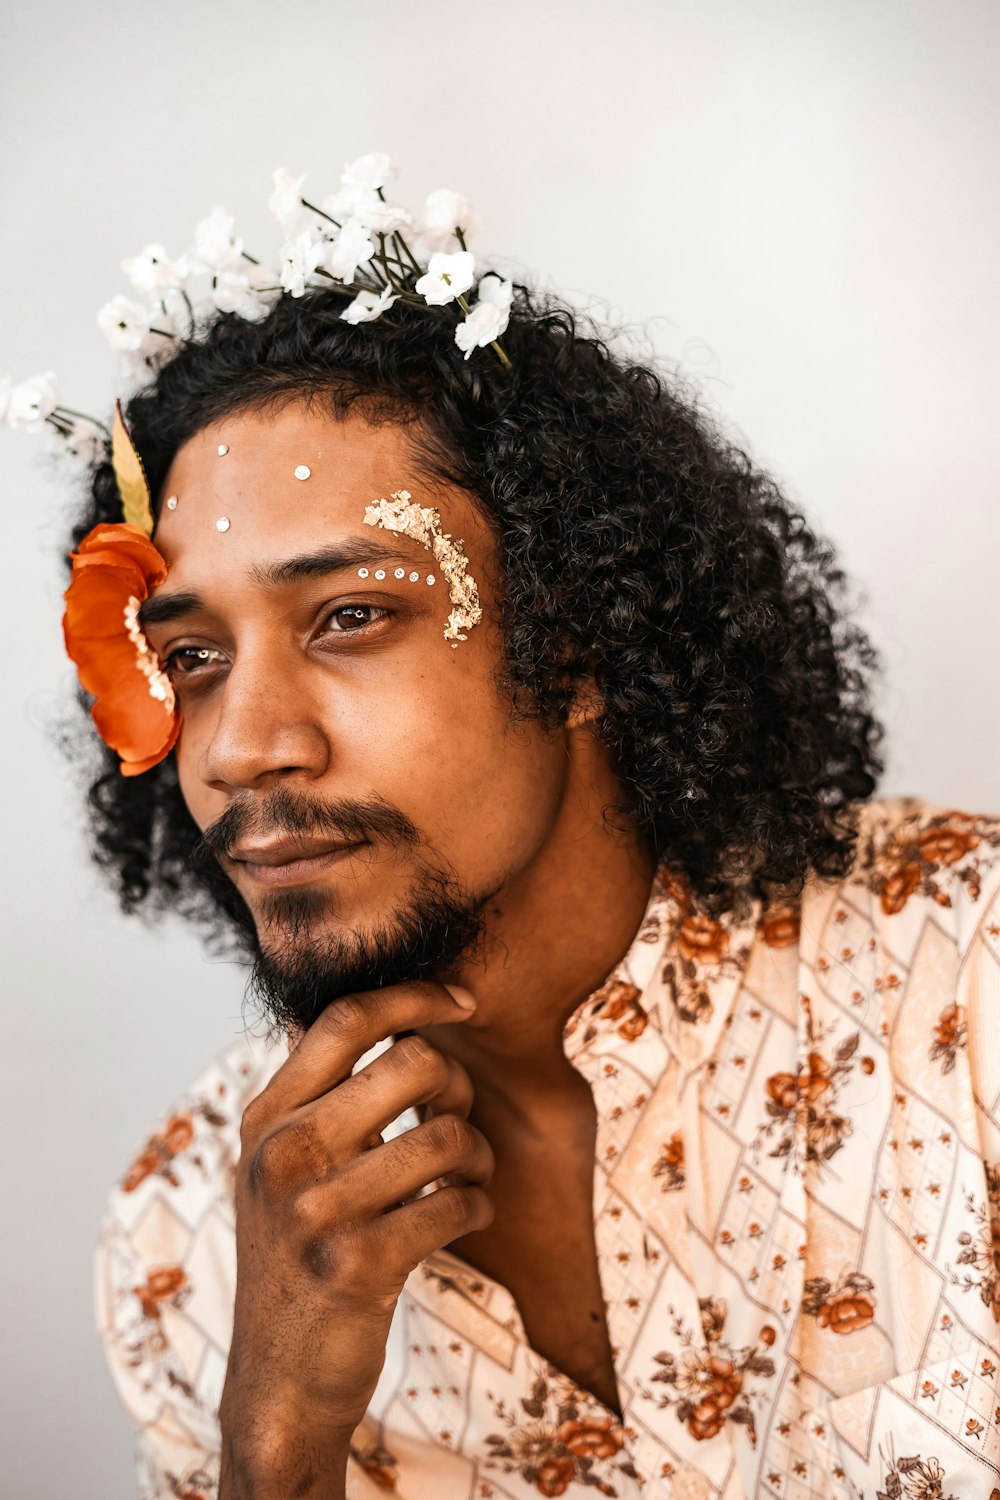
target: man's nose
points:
(268, 725)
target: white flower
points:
(368, 305)
(364, 204)
(234, 292)
(216, 246)
(152, 270)
(443, 212)
(370, 171)
(484, 324)
(501, 293)
(351, 248)
(87, 441)
(124, 323)
(30, 402)
(447, 277)
(299, 259)
(285, 202)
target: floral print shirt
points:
(796, 1214)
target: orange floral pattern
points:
(712, 1383)
(981, 1246)
(949, 1037)
(670, 1164)
(843, 1308)
(563, 1443)
(921, 849)
(800, 1107)
(159, 1151)
(114, 570)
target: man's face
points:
(376, 803)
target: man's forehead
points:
(260, 488)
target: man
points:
(629, 1118)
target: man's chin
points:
(306, 958)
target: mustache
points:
(286, 812)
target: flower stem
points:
(69, 412)
(314, 210)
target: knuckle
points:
(462, 1205)
(414, 1054)
(345, 1018)
(282, 1157)
(252, 1121)
(339, 1258)
(451, 1135)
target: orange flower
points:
(554, 1475)
(783, 1089)
(178, 1133)
(114, 570)
(846, 1314)
(673, 1152)
(899, 887)
(594, 1439)
(702, 938)
(780, 927)
(160, 1284)
(814, 1078)
(950, 1029)
(946, 845)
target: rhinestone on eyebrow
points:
(399, 573)
(362, 572)
(379, 572)
(303, 471)
(431, 578)
(172, 503)
(222, 524)
(414, 577)
(222, 449)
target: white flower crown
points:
(354, 242)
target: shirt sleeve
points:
(165, 1276)
(165, 1282)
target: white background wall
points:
(801, 201)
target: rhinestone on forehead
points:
(303, 471)
(172, 503)
(222, 449)
(222, 524)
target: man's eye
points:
(352, 617)
(187, 660)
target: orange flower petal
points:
(113, 564)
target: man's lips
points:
(291, 861)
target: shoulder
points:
(198, 1135)
(916, 858)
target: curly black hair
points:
(640, 550)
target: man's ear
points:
(587, 706)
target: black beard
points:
(295, 978)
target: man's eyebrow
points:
(326, 560)
(163, 609)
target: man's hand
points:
(326, 1236)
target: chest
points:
(541, 1247)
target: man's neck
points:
(555, 933)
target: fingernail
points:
(461, 997)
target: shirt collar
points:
(679, 978)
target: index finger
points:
(346, 1030)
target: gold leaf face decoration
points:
(133, 486)
(423, 524)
